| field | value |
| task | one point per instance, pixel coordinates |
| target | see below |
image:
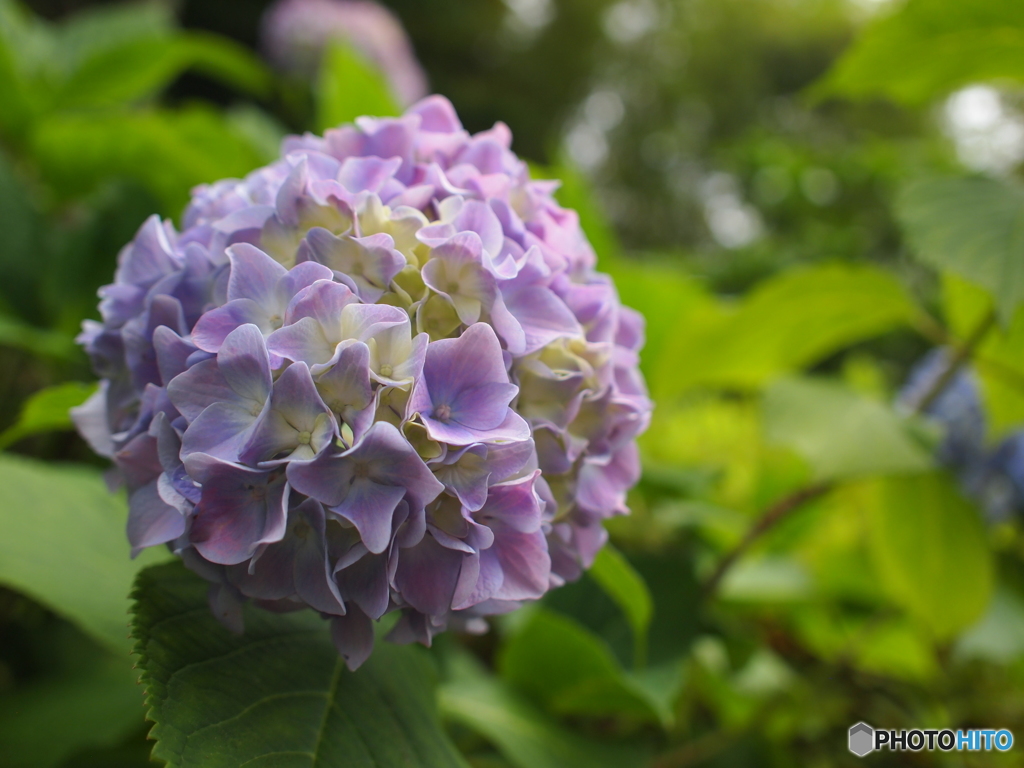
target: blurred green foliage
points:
(770, 183)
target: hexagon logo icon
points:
(862, 739)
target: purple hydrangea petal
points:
(365, 581)
(353, 637)
(370, 507)
(365, 483)
(240, 509)
(427, 575)
(366, 264)
(346, 389)
(151, 520)
(91, 420)
(296, 423)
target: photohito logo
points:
(863, 739)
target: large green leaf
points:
(840, 433)
(350, 87)
(96, 29)
(168, 151)
(526, 736)
(999, 635)
(279, 695)
(669, 300)
(15, 90)
(64, 545)
(47, 410)
(39, 341)
(559, 664)
(138, 68)
(788, 322)
(627, 589)
(930, 550)
(85, 697)
(998, 360)
(21, 227)
(973, 227)
(574, 192)
(927, 48)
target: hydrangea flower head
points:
(296, 32)
(379, 375)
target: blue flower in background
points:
(957, 409)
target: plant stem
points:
(960, 356)
(785, 506)
(768, 520)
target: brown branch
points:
(788, 504)
(768, 520)
(960, 356)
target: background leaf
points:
(787, 322)
(138, 68)
(841, 434)
(626, 587)
(349, 87)
(21, 225)
(278, 695)
(973, 227)
(47, 410)
(64, 545)
(167, 151)
(87, 697)
(527, 737)
(927, 48)
(561, 665)
(101, 28)
(930, 550)
(998, 361)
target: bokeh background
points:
(806, 198)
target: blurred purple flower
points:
(296, 32)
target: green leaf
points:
(64, 545)
(840, 433)
(999, 635)
(626, 587)
(930, 551)
(972, 227)
(20, 335)
(668, 299)
(22, 226)
(891, 646)
(574, 192)
(766, 580)
(998, 360)
(94, 30)
(48, 410)
(527, 737)
(138, 68)
(558, 663)
(928, 48)
(350, 87)
(788, 322)
(278, 695)
(168, 151)
(15, 91)
(85, 697)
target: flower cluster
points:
(992, 476)
(294, 34)
(380, 374)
